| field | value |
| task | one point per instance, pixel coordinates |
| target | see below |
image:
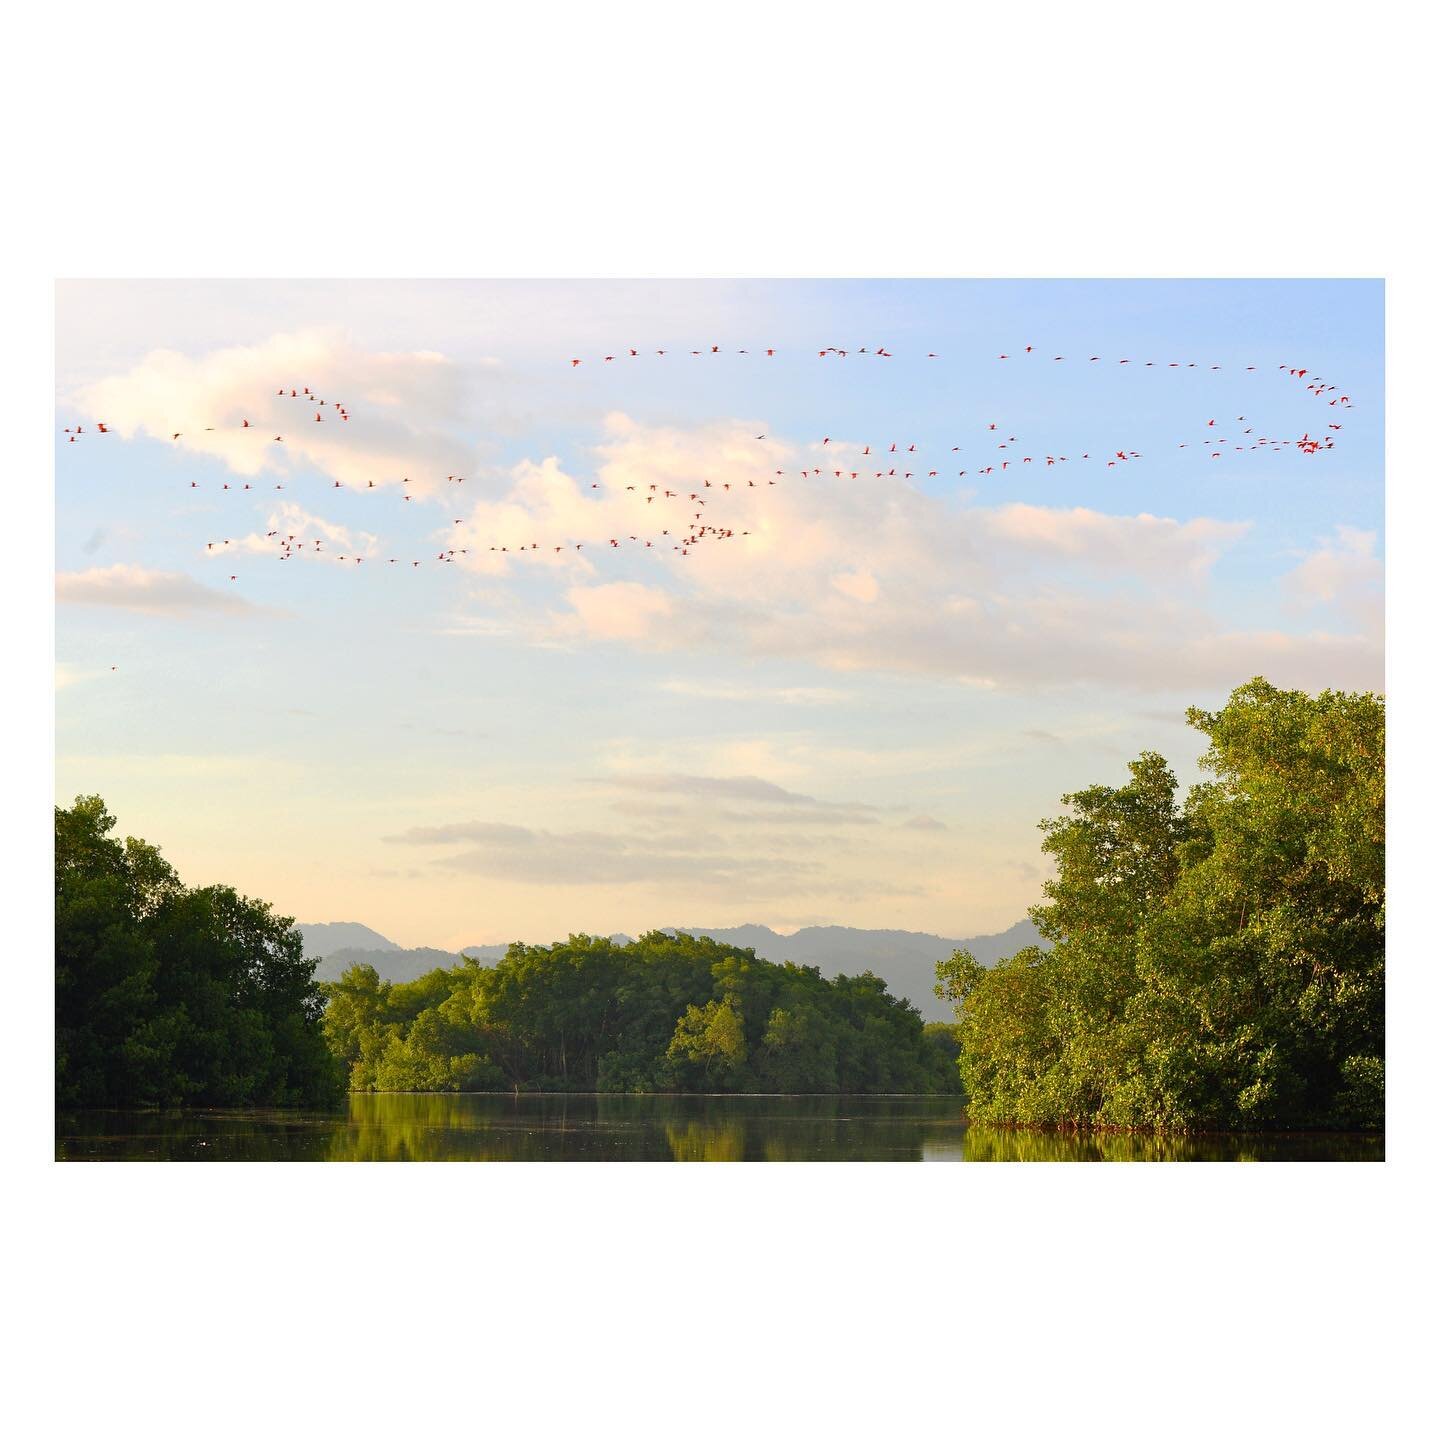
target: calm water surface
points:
(639, 1127)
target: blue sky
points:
(857, 714)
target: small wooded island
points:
(1212, 964)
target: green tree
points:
(1219, 964)
(713, 1037)
(944, 1040)
(799, 1053)
(165, 994)
(664, 1012)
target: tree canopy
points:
(1216, 964)
(664, 1012)
(165, 994)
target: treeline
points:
(169, 995)
(663, 1013)
(1215, 964)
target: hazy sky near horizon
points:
(856, 714)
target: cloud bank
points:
(878, 575)
(151, 592)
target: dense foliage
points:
(1214, 965)
(166, 994)
(665, 1012)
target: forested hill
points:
(661, 1013)
(904, 959)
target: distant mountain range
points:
(904, 959)
(325, 939)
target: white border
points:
(744, 140)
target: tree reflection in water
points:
(643, 1127)
(983, 1142)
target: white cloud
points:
(400, 406)
(1344, 572)
(152, 592)
(299, 529)
(620, 610)
(1142, 544)
(750, 789)
(682, 857)
(758, 694)
(875, 575)
(691, 837)
(924, 822)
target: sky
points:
(853, 710)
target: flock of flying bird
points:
(1316, 385)
(700, 529)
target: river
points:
(641, 1127)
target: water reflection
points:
(988, 1143)
(641, 1127)
(713, 1141)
